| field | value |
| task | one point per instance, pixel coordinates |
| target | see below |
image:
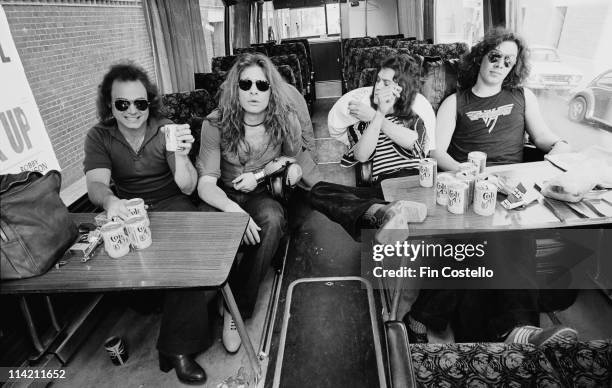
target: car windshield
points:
(544, 55)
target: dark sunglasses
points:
(246, 84)
(495, 56)
(122, 105)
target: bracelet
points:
(259, 176)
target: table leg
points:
(244, 336)
(31, 328)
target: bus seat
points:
(293, 62)
(438, 79)
(223, 64)
(211, 82)
(287, 74)
(362, 58)
(299, 50)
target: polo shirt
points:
(146, 174)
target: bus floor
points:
(319, 248)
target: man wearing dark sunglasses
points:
(491, 111)
(128, 145)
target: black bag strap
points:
(8, 181)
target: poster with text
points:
(24, 142)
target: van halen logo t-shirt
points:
(494, 125)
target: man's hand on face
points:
(362, 111)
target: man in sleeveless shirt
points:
(491, 113)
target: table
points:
(189, 249)
(535, 216)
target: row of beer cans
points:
(457, 190)
(119, 235)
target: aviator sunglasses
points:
(495, 56)
(245, 84)
(122, 104)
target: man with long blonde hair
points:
(254, 125)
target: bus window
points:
(300, 22)
(213, 20)
(459, 21)
(569, 57)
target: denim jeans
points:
(346, 205)
(246, 275)
(184, 325)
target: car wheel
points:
(577, 109)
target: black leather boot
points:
(187, 370)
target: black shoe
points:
(187, 370)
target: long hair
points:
(230, 117)
(125, 72)
(470, 63)
(406, 76)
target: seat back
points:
(362, 58)
(293, 62)
(223, 64)
(211, 82)
(188, 108)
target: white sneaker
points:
(231, 338)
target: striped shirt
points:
(388, 157)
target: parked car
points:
(549, 73)
(594, 102)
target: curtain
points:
(494, 13)
(513, 16)
(178, 41)
(410, 17)
(429, 19)
(242, 24)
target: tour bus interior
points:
(324, 48)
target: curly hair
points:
(470, 63)
(230, 113)
(407, 76)
(125, 72)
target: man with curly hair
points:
(491, 111)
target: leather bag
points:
(35, 226)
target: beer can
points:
(139, 232)
(171, 141)
(470, 179)
(444, 179)
(136, 207)
(478, 159)
(457, 197)
(428, 169)
(485, 198)
(469, 168)
(116, 242)
(117, 350)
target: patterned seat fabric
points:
(409, 44)
(262, 47)
(347, 45)
(442, 50)
(310, 66)
(438, 79)
(292, 61)
(222, 64)
(482, 365)
(211, 82)
(189, 108)
(299, 50)
(366, 78)
(242, 50)
(287, 73)
(362, 58)
(391, 42)
(583, 364)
